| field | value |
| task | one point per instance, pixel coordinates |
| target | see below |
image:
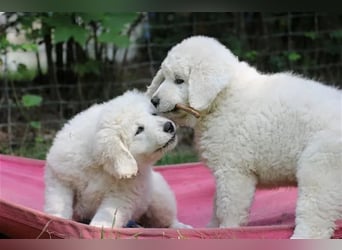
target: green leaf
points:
(116, 22)
(251, 55)
(118, 40)
(80, 35)
(58, 20)
(36, 125)
(39, 138)
(294, 56)
(119, 19)
(31, 100)
(312, 35)
(29, 47)
(63, 34)
(4, 44)
(64, 28)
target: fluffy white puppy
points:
(257, 129)
(99, 166)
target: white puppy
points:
(99, 166)
(257, 129)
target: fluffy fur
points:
(257, 129)
(99, 166)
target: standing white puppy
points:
(257, 130)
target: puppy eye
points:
(139, 130)
(179, 81)
(154, 114)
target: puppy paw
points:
(100, 224)
(105, 224)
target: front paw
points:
(101, 224)
(105, 224)
(60, 214)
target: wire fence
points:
(305, 43)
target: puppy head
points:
(130, 135)
(193, 73)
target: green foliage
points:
(113, 27)
(278, 62)
(236, 45)
(5, 45)
(29, 100)
(22, 74)
(251, 55)
(101, 28)
(37, 149)
(179, 155)
(35, 125)
(90, 66)
(311, 34)
(118, 40)
(294, 56)
(80, 26)
(64, 33)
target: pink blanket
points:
(22, 198)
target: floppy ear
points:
(112, 153)
(205, 85)
(157, 80)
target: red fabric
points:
(22, 197)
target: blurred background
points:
(53, 65)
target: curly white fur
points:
(257, 130)
(99, 167)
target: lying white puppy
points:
(99, 166)
(257, 129)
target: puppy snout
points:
(169, 127)
(155, 101)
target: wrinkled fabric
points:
(22, 200)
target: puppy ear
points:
(157, 80)
(204, 85)
(112, 153)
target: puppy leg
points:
(234, 195)
(319, 202)
(162, 210)
(112, 213)
(58, 197)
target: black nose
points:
(168, 127)
(155, 101)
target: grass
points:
(35, 150)
(181, 154)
